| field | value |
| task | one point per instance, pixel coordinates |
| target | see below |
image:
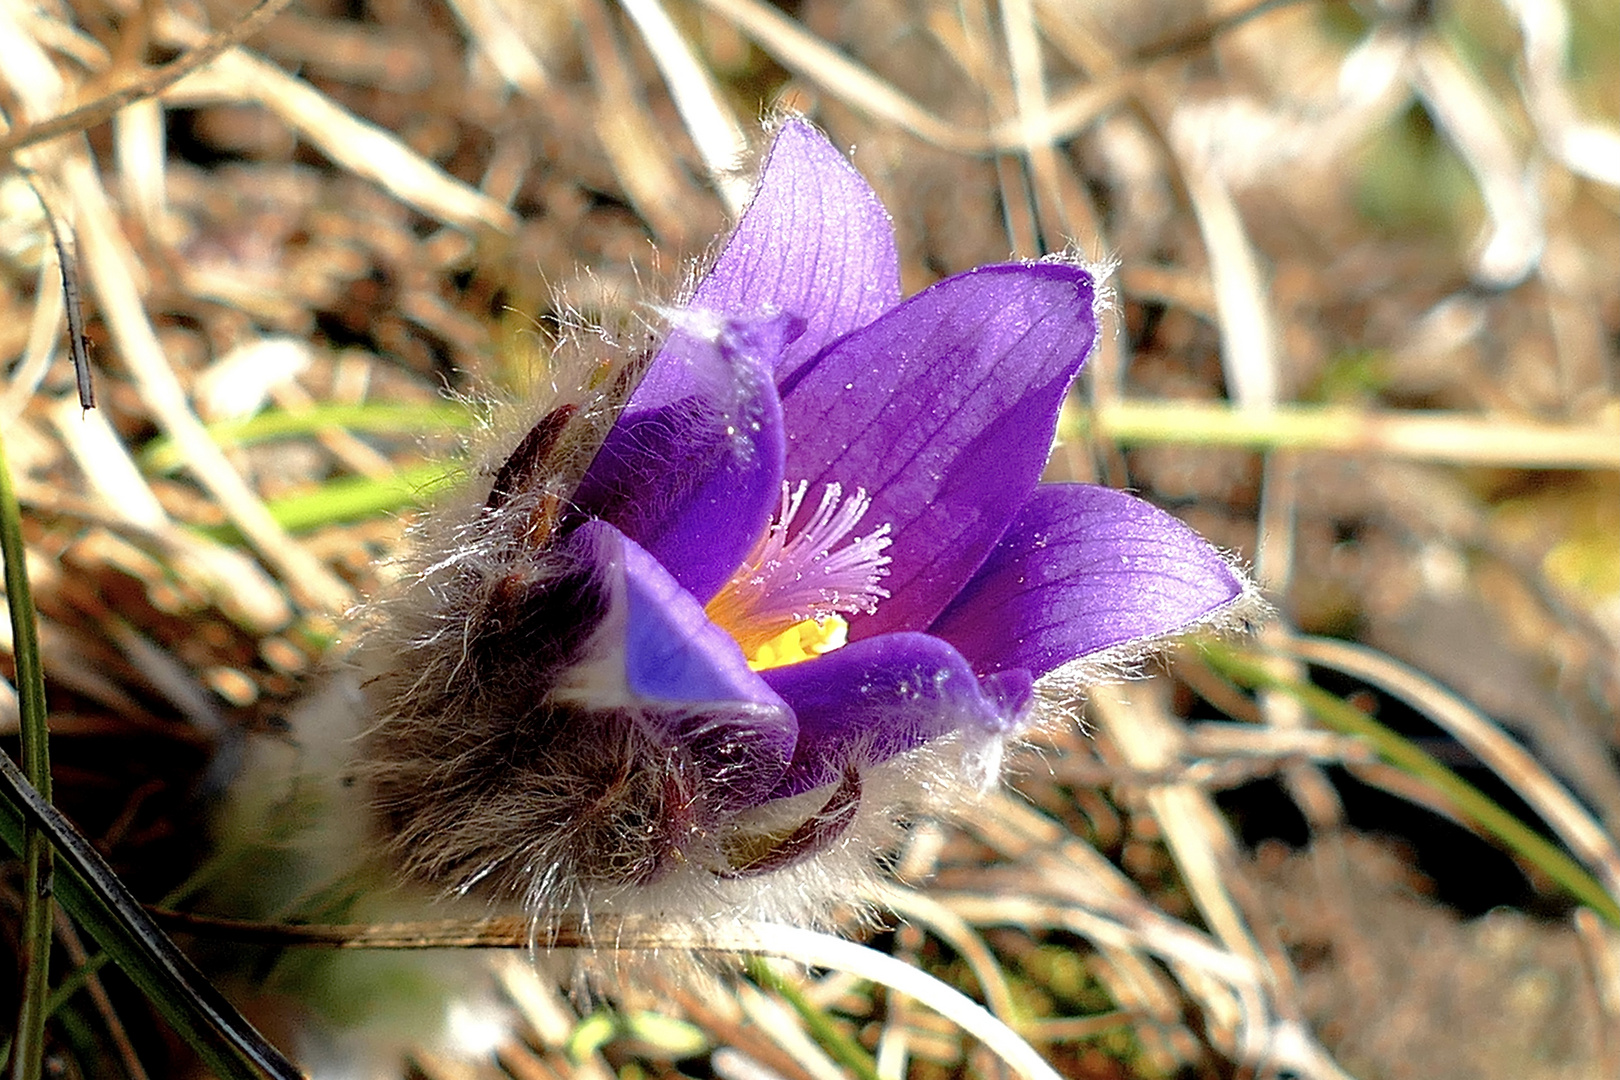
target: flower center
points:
(783, 604)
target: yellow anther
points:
(802, 641)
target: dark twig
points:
(67, 263)
(148, 85)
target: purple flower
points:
(811, 549)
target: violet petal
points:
(1081, 569)
(873, 699)
(685, 676)
(695, 481)
(943, 410)
(814, 242)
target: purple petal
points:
(815, 242)
(685, 676)
(873, 699)
(1081, 569)
(695, 481)
(943, 410)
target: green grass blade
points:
(161, 455)
(28, 1049)
(350, 498)
(839, 1046)
(104, 908)
(86, 885)
(1405, 755)
(353, 498)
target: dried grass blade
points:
(1588, 149)
(806, 947)
(148, 85)
(798, 49)
(114, 284)
(826, 1052)
(1453, 438)
(1466, 111)
(530, 987)
(1120, 922)
(44, 329)
(357, 145)
(1198, 842)
(1029, 93)
(105, 462)
(1248, 330)
(88, 966)
(709, 120)
(643, 161)
(825, 950)
(927, 912)
(1067, 116)
(491, 29)
(140, 146)
(1600, 947)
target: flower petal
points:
(814, 242)
(695, 480)
(1082, 569)
(943, 410)
(686, 677)
(873, 699)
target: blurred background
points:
(1366, 334)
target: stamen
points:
(784, 582)
(802, 641)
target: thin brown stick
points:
(69, 937)
(502, 932)
(148, 85)
(1203, 34)
(493, 932)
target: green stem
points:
(28, 1051)
(105, 909)
(87, 887)
(1469, 801)
(75, 981)
(839, 1046)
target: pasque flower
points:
(804, 579)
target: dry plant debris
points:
(1368, 335)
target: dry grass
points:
(1366, 336)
